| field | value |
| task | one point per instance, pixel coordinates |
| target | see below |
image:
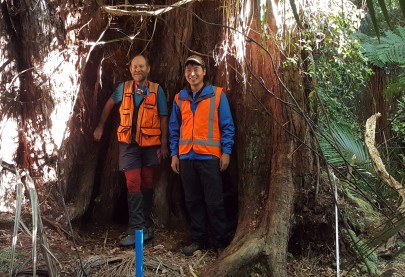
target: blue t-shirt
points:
(161, 98)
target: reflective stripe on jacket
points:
(148, 122)
(200, 130)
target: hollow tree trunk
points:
(175, 34)
(268, 154)
(167, 71)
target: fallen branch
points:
(378, 164)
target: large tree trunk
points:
(269, 155)
(272, 158)
(24, 94)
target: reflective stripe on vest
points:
(148, 122)
(200, 131)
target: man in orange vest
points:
(201, 139)
(142, 137)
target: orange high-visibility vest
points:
(148, 122)
(200, 131)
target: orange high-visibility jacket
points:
(200, 130)
(148, 122)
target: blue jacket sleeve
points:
(174, 129)
(226, 125)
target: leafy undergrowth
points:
(98, 254)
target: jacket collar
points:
(207, 91)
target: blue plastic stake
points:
(139, 253)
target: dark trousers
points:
(202, 184)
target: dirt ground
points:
(97, 254)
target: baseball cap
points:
(195, 59)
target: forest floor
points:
(97, 253)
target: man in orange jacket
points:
(201, 139)
(142, 137)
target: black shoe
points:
(148, 233)
(190, 249)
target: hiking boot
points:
(190, 249)
(128, 240)
(148, 234)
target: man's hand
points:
(176, 164)
(224, 162)
(98, 132)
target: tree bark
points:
(375, 101)
(265, 163)
(274, 156)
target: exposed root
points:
(231, 263)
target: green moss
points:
(5, 258)
(258, 268)
(368, 260)
(359, 212)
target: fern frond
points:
(390, 50)
(342, 146)
(401, 32)
(391, 227)
(401, 80)
(397, 87)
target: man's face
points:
(194, 74)
(139, 69)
